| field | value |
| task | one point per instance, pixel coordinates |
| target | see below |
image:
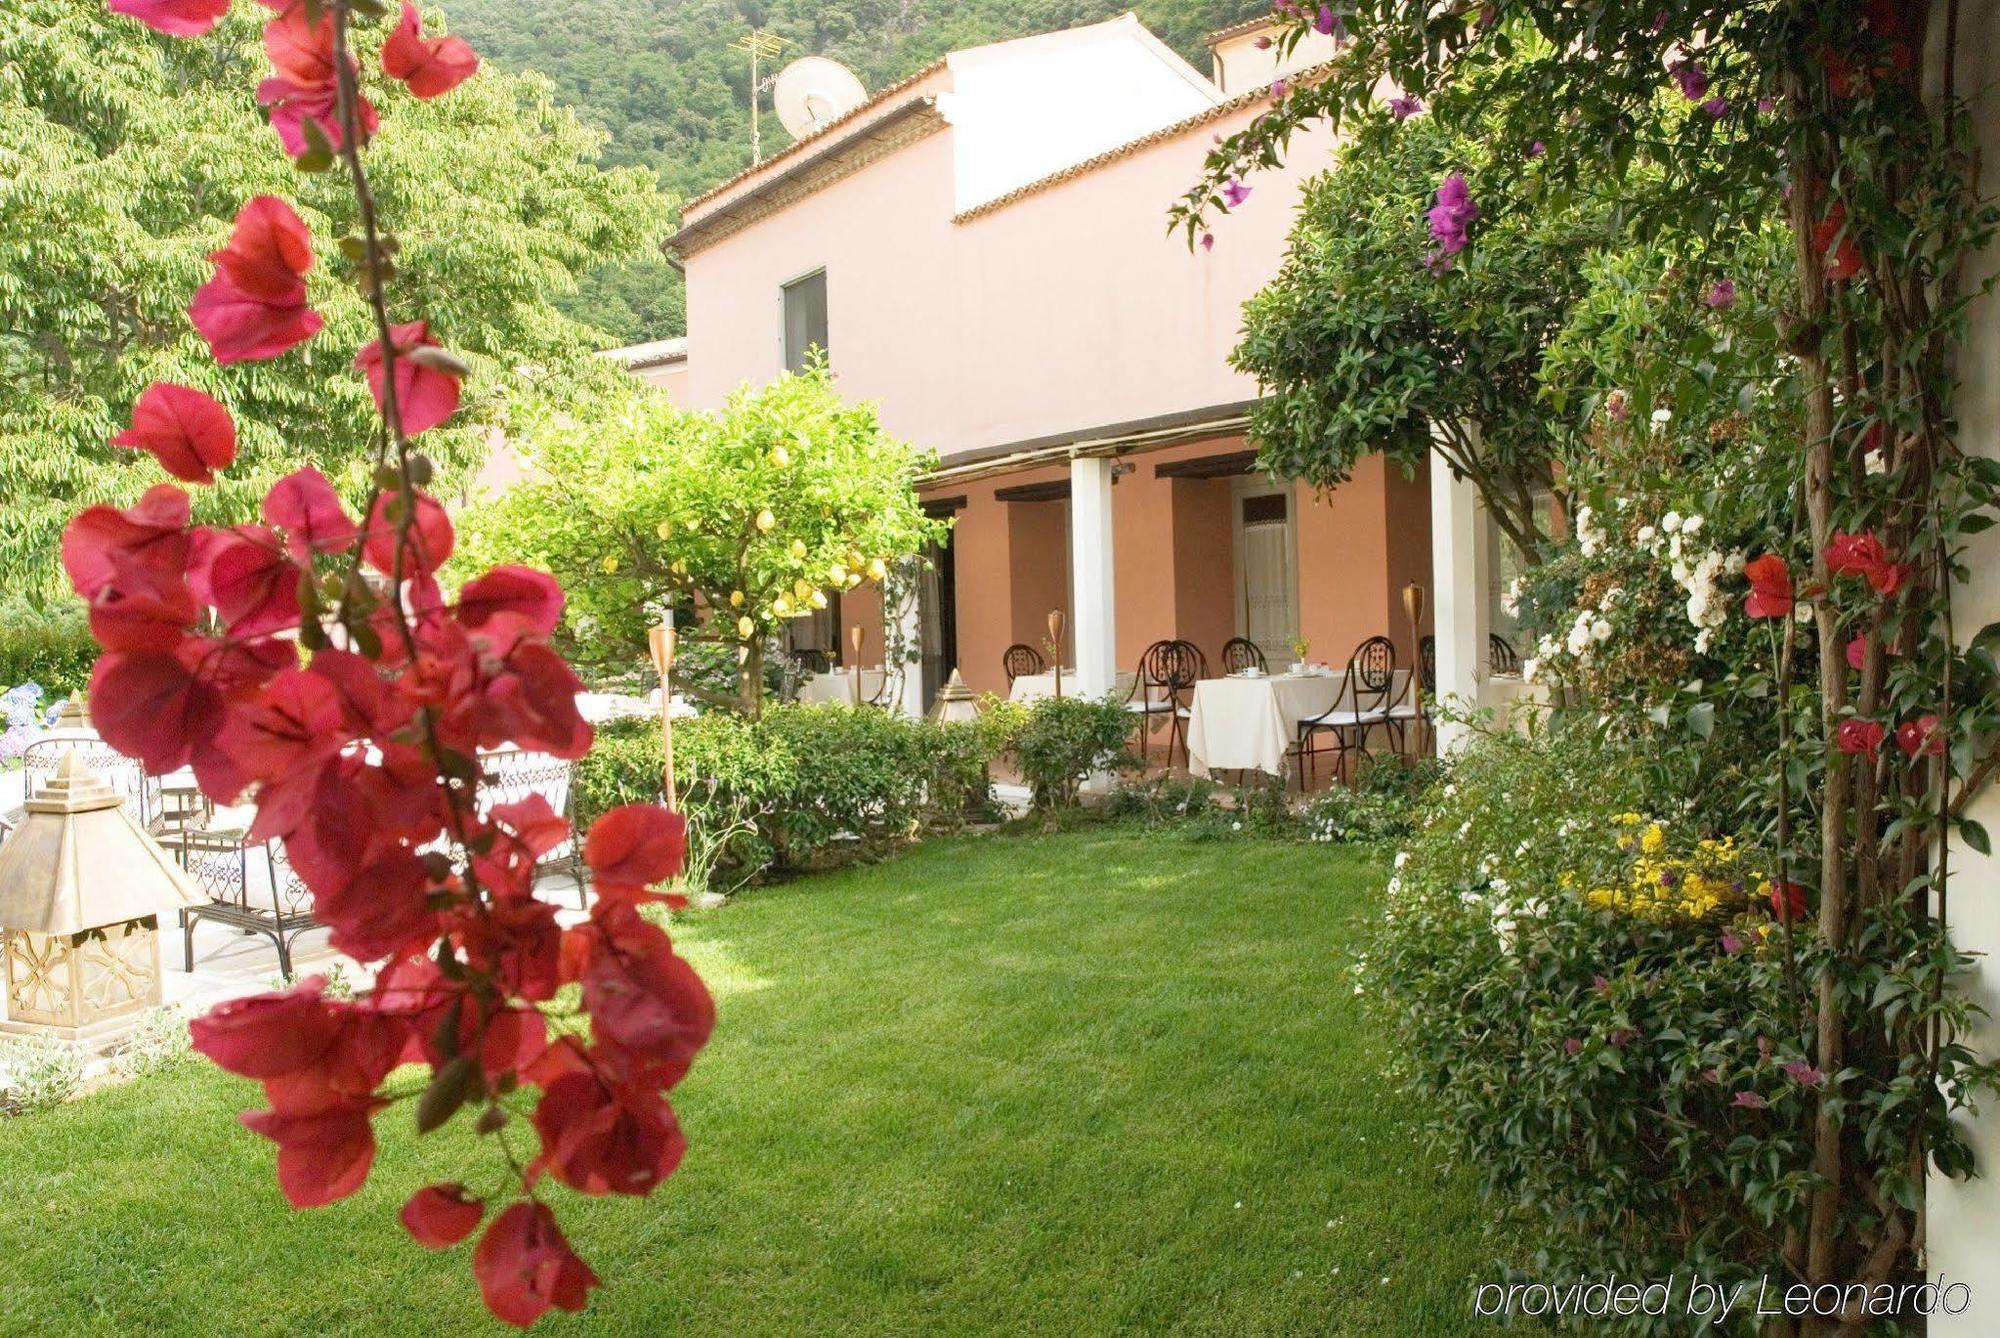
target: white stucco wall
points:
(1964, 1221)
(1023, 109)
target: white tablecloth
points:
(1245, 724)
(838, 686)
(1034, 687)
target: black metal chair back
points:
(1427, 665)
(1200, 660)
(1371, 673)
(1501, 657)
(813, 661)
(1021, 658)
(1240, 653)
(1168, 669)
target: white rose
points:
(1692, 525)
(1646, 533)
(1671, 522)
(1600, 630)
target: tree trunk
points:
(750, 680)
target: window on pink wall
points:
(805, 319)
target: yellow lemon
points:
(610, 563)
(766, 522)
(801, 588)
(837, 573)
(781, 606)
(735, 599)
(666, 529)
(877, 568)
(819, 599)
(798, 548)
(744, 627)
(679, 568)
(780, 456)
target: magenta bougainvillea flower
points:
(1454, 212)
(1722, 294)
(1693, 80)
(1405, 106)
(1803, 1073)
(1234, 192)
(1751, 1101)
(1717, 107)
(1326, 21)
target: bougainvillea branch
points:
(312, 666)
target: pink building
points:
(983, 250)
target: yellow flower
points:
(1628, 819)
(610, 563)
(766, 522)
(1654, 840)
(735, 599)
(745, 627)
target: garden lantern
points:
(955, 702)
(81, 890)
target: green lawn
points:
(1080, 1083)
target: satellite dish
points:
(813, 92)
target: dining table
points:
(1250, 722)
(1034, 687)
(837, 685)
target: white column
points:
(1964, 1216)
(1458, 562)
(1093, 612)
(910, 635)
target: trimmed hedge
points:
(812, 785)
(51, 646)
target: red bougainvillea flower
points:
(255, 306)
(323, 1156)
(525, 1265)
(304, 88)
(188, 432)
(246, 577)
(1857, 735)
(1843, 261)
(1788, 901)
(1920, 737)
(1857, 653)
(145, 546)
(1770, 587)
(635, 846)
(438, 1216)
(1864, 555)
(305, 506)
(428, 66)
(431, 537)
(175, 18)
(511, 599)
(601, 1139)
(269, 1035)
(426, 394)
(647, 1006)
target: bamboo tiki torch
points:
(855, 637)
(1413, 604)
(1056, 644)
(660, 640)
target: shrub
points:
(800, 787)
(51, 646)
(37, 1072)
(1380, 805)
(1578, 982)
(158, 1043)
(1060, 741)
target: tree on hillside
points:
(736, 520)
(664, 83)
(127, 156)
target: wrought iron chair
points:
(813, 661)
(1501, 657)
(1021, 658)
(1361, 705)
(512, 774)
(1240, 653)
(250, 885)
(141, 790)
(1163, 687)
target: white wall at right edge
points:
(1964, 1219)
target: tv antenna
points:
(813, 92)
(761, 45)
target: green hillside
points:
(660, 77)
